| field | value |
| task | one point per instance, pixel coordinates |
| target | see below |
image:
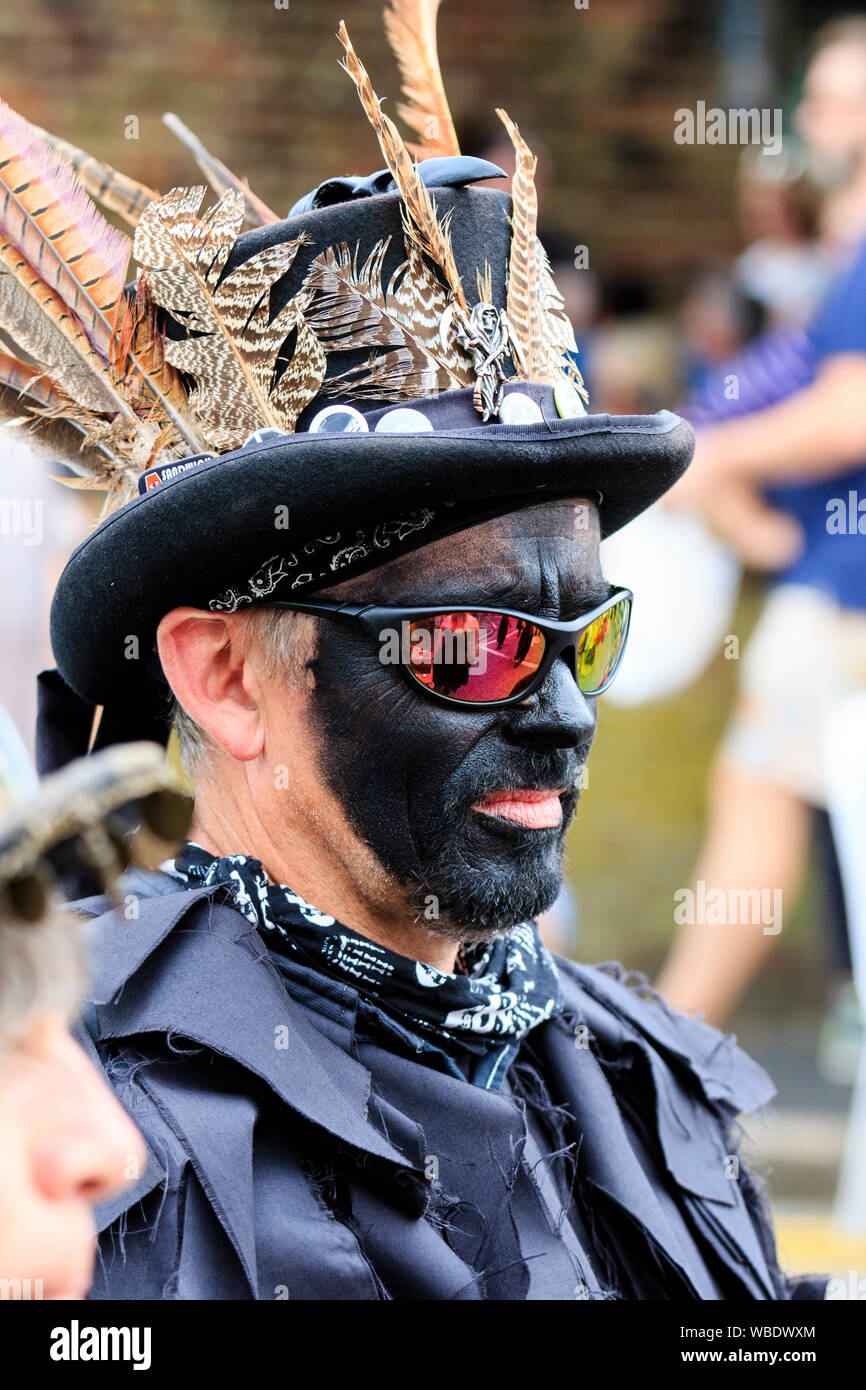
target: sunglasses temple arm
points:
(347, 613)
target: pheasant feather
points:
(410, 27)
(521, 264)
(28, 383)
(422, 223)
(220, 178)
(139, 340)
(112, 190)
(234, 353)
(535, 308)
(349, 308)
(422, 300)
(557, 349)
(73, 264)
(52, 426)
(36, 317)
(49, 219)
(347, 304)
(396, 375)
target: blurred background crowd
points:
(714, 278)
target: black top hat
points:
(391, 364)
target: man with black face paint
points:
(359, 1073)
(472, 808)
(437, 826)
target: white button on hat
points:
(519, 409)
(338, 419)
(403, 421)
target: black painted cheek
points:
(387, 754)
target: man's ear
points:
(203, 659)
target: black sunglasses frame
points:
(559, 637)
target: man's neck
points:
(346, 882)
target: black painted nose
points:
(556, 716)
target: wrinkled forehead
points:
(561, 536)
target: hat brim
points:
(197, 535)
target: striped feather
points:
(395, 375)
(47, 216)
(349, 308)
(421, 300)
(75, 257)
(423, 225)
(112, 190)
(410, 27)
(29, 383)
(235, 353)
(39, 321)
(534, 307)
(220, 178)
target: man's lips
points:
(534, 808)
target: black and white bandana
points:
(500, 991)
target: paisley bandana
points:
(500, 990)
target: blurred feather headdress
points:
(87, 368)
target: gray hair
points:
(285, 642)
(41, 972)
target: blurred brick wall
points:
(261, 86)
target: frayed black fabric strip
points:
(755, 1196)
(527, 1082)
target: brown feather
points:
(410, 27)
(112, 456)
(235, 353)
(519, 304)
(60, 441)
(139, 340)
(40, 322)
(35, 412)
(47, 216)
(79, 259)
(75, 402)
(347, 306)
(484, 284)
(297, 379)
(423, 225)
(220, 178)
(29, 383)
(112, 190)
(396, 375)
(534, 306)
(350, 308)
(421, 300)
(556, 335)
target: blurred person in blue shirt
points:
(780, 471)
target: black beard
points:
(484, 875)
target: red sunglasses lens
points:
(474, 656)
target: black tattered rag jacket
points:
(289, 1156)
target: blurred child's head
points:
(65, 1143)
